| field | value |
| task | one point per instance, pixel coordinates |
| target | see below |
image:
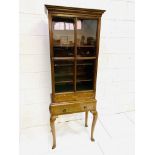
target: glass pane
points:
(63, 36)
(64, 77)
(85, 74)
(86, 37)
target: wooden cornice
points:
(72, 11)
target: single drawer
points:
(68, 108)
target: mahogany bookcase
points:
(74, 35)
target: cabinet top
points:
(73, 11)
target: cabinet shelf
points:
(73, 58)
(84, 80)
(59, 82)
(86, 46)
(62, 65)
(63, 46)
(85, 58)
(78, 46)
(64, 75)
(84, 64)
(70, 81)
(63, 58)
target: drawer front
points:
(72, 108)
(73, 96)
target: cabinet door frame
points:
(50, 15)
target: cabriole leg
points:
(86, 119)
(52, 123)
(95, 115)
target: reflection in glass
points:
(63, 31)
(86, 31)
(63, 36)
(86, 37)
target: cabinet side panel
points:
(97, 51)
(51, 53)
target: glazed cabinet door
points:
(86, 53)
(63, 36)
(86, 37)
(74, 46)
(63, 29)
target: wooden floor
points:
(114, 135)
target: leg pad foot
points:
(53, 147)
(92, 139)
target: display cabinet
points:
(74, 46)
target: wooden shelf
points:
(59, 82)
(65, 65)
(84, 80)
(71, 81)
(63, 58)
(86, 46)
(73, 58)
(68, 74)
(85, 58)
(78, 46)
(85, 64)
(63, 46)
(62, 65)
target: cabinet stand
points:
(52, 123)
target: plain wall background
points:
(115, 81)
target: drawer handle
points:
(64, 110)
(85, 107)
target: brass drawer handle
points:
(64, 110)
(85, 107)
